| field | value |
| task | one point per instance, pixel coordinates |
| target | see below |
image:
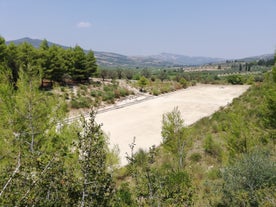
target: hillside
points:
(227, 159)
(222, 160)
(109, 59)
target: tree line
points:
(53, 62)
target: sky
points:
(210, 28)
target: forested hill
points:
(118, 60)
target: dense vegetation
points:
(227, 159)
(52, 62)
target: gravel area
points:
(143, 120)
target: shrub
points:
(62, 89)
(258, 78)
(193, 83)
(155, 92)
(83, 87)
(246, 180)
(108, 96)
(94, 93)
(195, 157)
(107, 88)
(81, 102)
(183, 82)
(235, 79)
(123, 92)
(211, 147)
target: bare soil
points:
(143, 120)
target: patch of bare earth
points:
(143, 120)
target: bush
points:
(247, 178)
(235, 79)
(155, 92)
(94, 93)
(211, 147)
(108, 96)
(258, 78)
(193, 83)
(195, 157)
(123, 92)
(183, 82)
(81, 102)
(83, 87)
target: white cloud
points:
(84, 25)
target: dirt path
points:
(143, 120)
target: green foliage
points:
(163, 75)
(211, 147)
(195, 157)
(270, 112)
(81, 102)
(32, 171)
(155, 186)
(183, 82)
(235, 79)
(177, 189)
(97, 187)
(56, 63)
(123, 196)
(174, 135)
(274, 73)
(143, 81)
(3, 49)
(246, 178)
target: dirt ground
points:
(143, 120)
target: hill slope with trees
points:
(227, 159)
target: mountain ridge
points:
(111, 59)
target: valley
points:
(144, 119)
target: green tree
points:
(54, 69)
(274, 73)
(250, 181)
(12, 61)
(29, 119)
(235, 79)
(97, 187)
(90, 65)
(27, 56)
(146, 73)
(270, 111)
(163, 75)
(174, 135)
(183, 82)
(142, 82)
(129, 74)
(145, 175)
(240, 67)
(78, 71)
(44, 58)
(119, 73)
(103, 74)
(3, 48)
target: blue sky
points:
(213, 28)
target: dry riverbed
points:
(143, 120)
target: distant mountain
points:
(34, 42)
(109, 59)
(259, 57)
(185, 60)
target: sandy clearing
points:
(144, 120)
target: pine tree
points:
(90, 65)
(97, 187)
(79, 64)
(29, 146)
